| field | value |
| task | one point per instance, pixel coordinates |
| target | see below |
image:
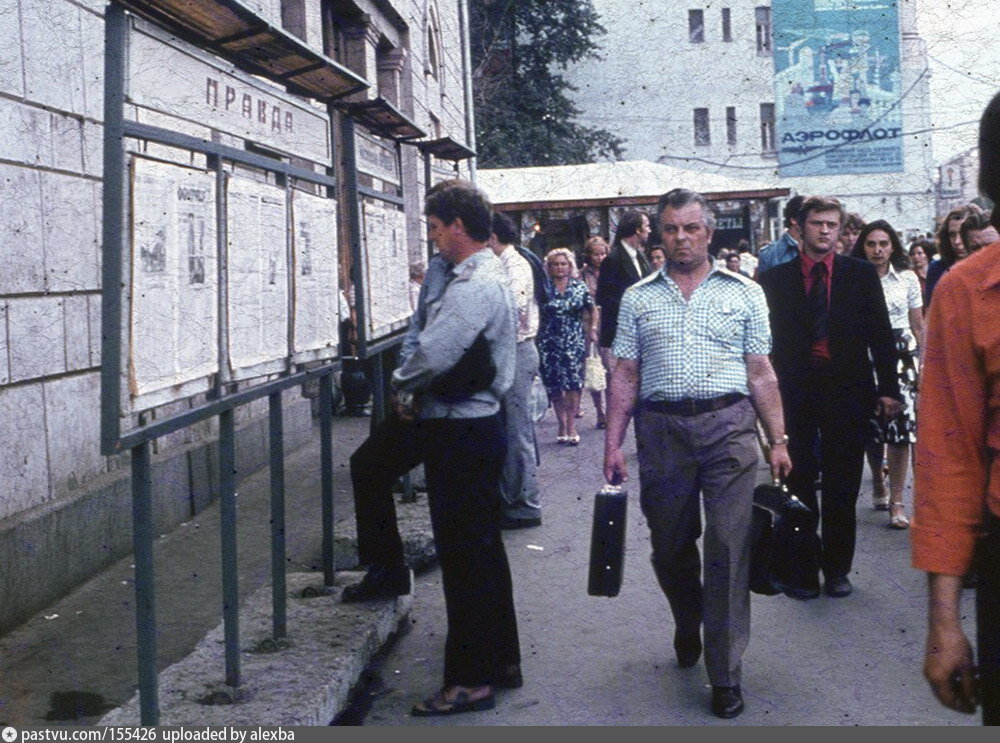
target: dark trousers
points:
(462, 461)
(988, 620)
(390, 452)
(827, 427)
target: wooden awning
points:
(234, 32)
(382, 118)
(446, 148)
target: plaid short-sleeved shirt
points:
(692, 348)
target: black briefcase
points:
(607, 541)
(785, 548)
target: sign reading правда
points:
(838, 96)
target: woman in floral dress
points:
(565, 319)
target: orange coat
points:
(958, 418)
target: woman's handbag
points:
(607, 542)
(594, 378)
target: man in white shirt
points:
(519, 478)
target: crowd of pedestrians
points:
(814, 351)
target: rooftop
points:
(593, 184)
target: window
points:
(727, 28)
(767, 127)
(763, 17)
(702, 135)
(432, 61)
(731, 126)
(696, 26)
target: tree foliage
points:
(523, 113)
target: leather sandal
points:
(437, 707)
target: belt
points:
(693, 406)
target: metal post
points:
(145, 597)
(350, 195)
(326, 473)
(227, 525)
(222, 273)
(427, 187)
(278, 608)
(113, 204)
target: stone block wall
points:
(65, 509)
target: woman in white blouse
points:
(892, 440)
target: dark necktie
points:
(818, 303)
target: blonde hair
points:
(592, 241)
(565, 252)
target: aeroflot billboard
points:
(838, 97)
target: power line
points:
(982, 80)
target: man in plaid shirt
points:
(692, 345)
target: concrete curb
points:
(307, 681)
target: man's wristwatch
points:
(783, 441)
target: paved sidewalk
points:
(76, 661)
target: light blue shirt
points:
(774, 254)
(476, 300)
(692, 348)
(436, 278)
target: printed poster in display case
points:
(315, 250)
(387, 268)
(173, 301)
(257, 272)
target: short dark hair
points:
(973, 223)
(792, 207)
(461, 200)
(629, 224)
(505, 229)
(989, 151)
(821, 204)
(680, 197)
(928, 246)
(898, 258)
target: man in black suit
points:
(830, 330)
(625, 265)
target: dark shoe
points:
(434, 707)
(688, 648)
(802, 594)
(727, 701)
(379, 582)
(838, 587)
(511, 523)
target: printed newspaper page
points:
(316, 294)
(174, 310)
(258, 272)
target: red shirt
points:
(959, 421)
(821, 350)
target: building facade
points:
(65, 511)
(699, 92)
(957, 181)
